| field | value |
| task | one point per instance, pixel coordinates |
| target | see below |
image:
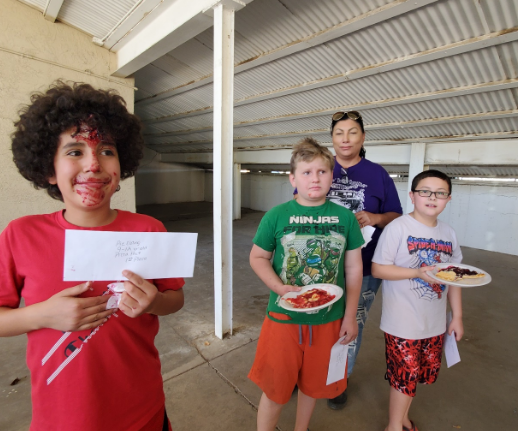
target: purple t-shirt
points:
(365, 186)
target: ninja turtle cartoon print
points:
(310, 259)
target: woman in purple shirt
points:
(368, 191)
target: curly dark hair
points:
(62, 107)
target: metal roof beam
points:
(503, 152)
(386, 142)
(162, 148)
(395, 154)
(383, 13)
(423, 57)
(52, 9)
(368, 127)
(155, 33)
(415, 98)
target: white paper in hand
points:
(451, 351)
(367, 233)
(100, 255)
(337, 362)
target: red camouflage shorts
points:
(412, 361)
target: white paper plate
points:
(332, 289)
(466, 282)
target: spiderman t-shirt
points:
(412, 308)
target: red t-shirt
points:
(105, 379)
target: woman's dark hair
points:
(62, 107)
(431, 173)
(358, 120)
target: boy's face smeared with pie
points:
(87, 169)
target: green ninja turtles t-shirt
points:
(309, 245)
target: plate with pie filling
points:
(458, 274)
(311, 298)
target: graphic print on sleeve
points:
(428, 252)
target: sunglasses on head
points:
(352, 115)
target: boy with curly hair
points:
(311, 240)
(92, 369)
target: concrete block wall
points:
(484, 217)
(34, 53)
(162, 183)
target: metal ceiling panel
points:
(321, 15)
(37, 4)
(269, 24)
(188, 123)
(430, 109)
(95, 17)
(413, 75)
(195, 55)
(185, 102)
(500, 14)
(256, 136)
(392, 39)
(448, 73)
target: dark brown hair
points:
(61, 108)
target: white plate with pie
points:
(331, 289)
(480, 279)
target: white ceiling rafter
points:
(52, 9)
(435, 95)
(168, 25)
(458, 153)
(370, 127)
(482, 137)
(383, 13)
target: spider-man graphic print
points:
(412, 361)
(428, 252)
(412, 308)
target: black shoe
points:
(339, 402)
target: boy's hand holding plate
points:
(482, 277)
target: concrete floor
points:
(205, 378)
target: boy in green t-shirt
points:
(311, 240)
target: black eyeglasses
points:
(428, 193)
(352, 115)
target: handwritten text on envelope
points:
(98, 256)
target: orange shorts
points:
(281, 362)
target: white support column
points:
(223, 161)
(237, 191)
(417, 155)
(52, 9)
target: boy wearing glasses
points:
(414, 304)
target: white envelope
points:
(98, 256)
(337, 362)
